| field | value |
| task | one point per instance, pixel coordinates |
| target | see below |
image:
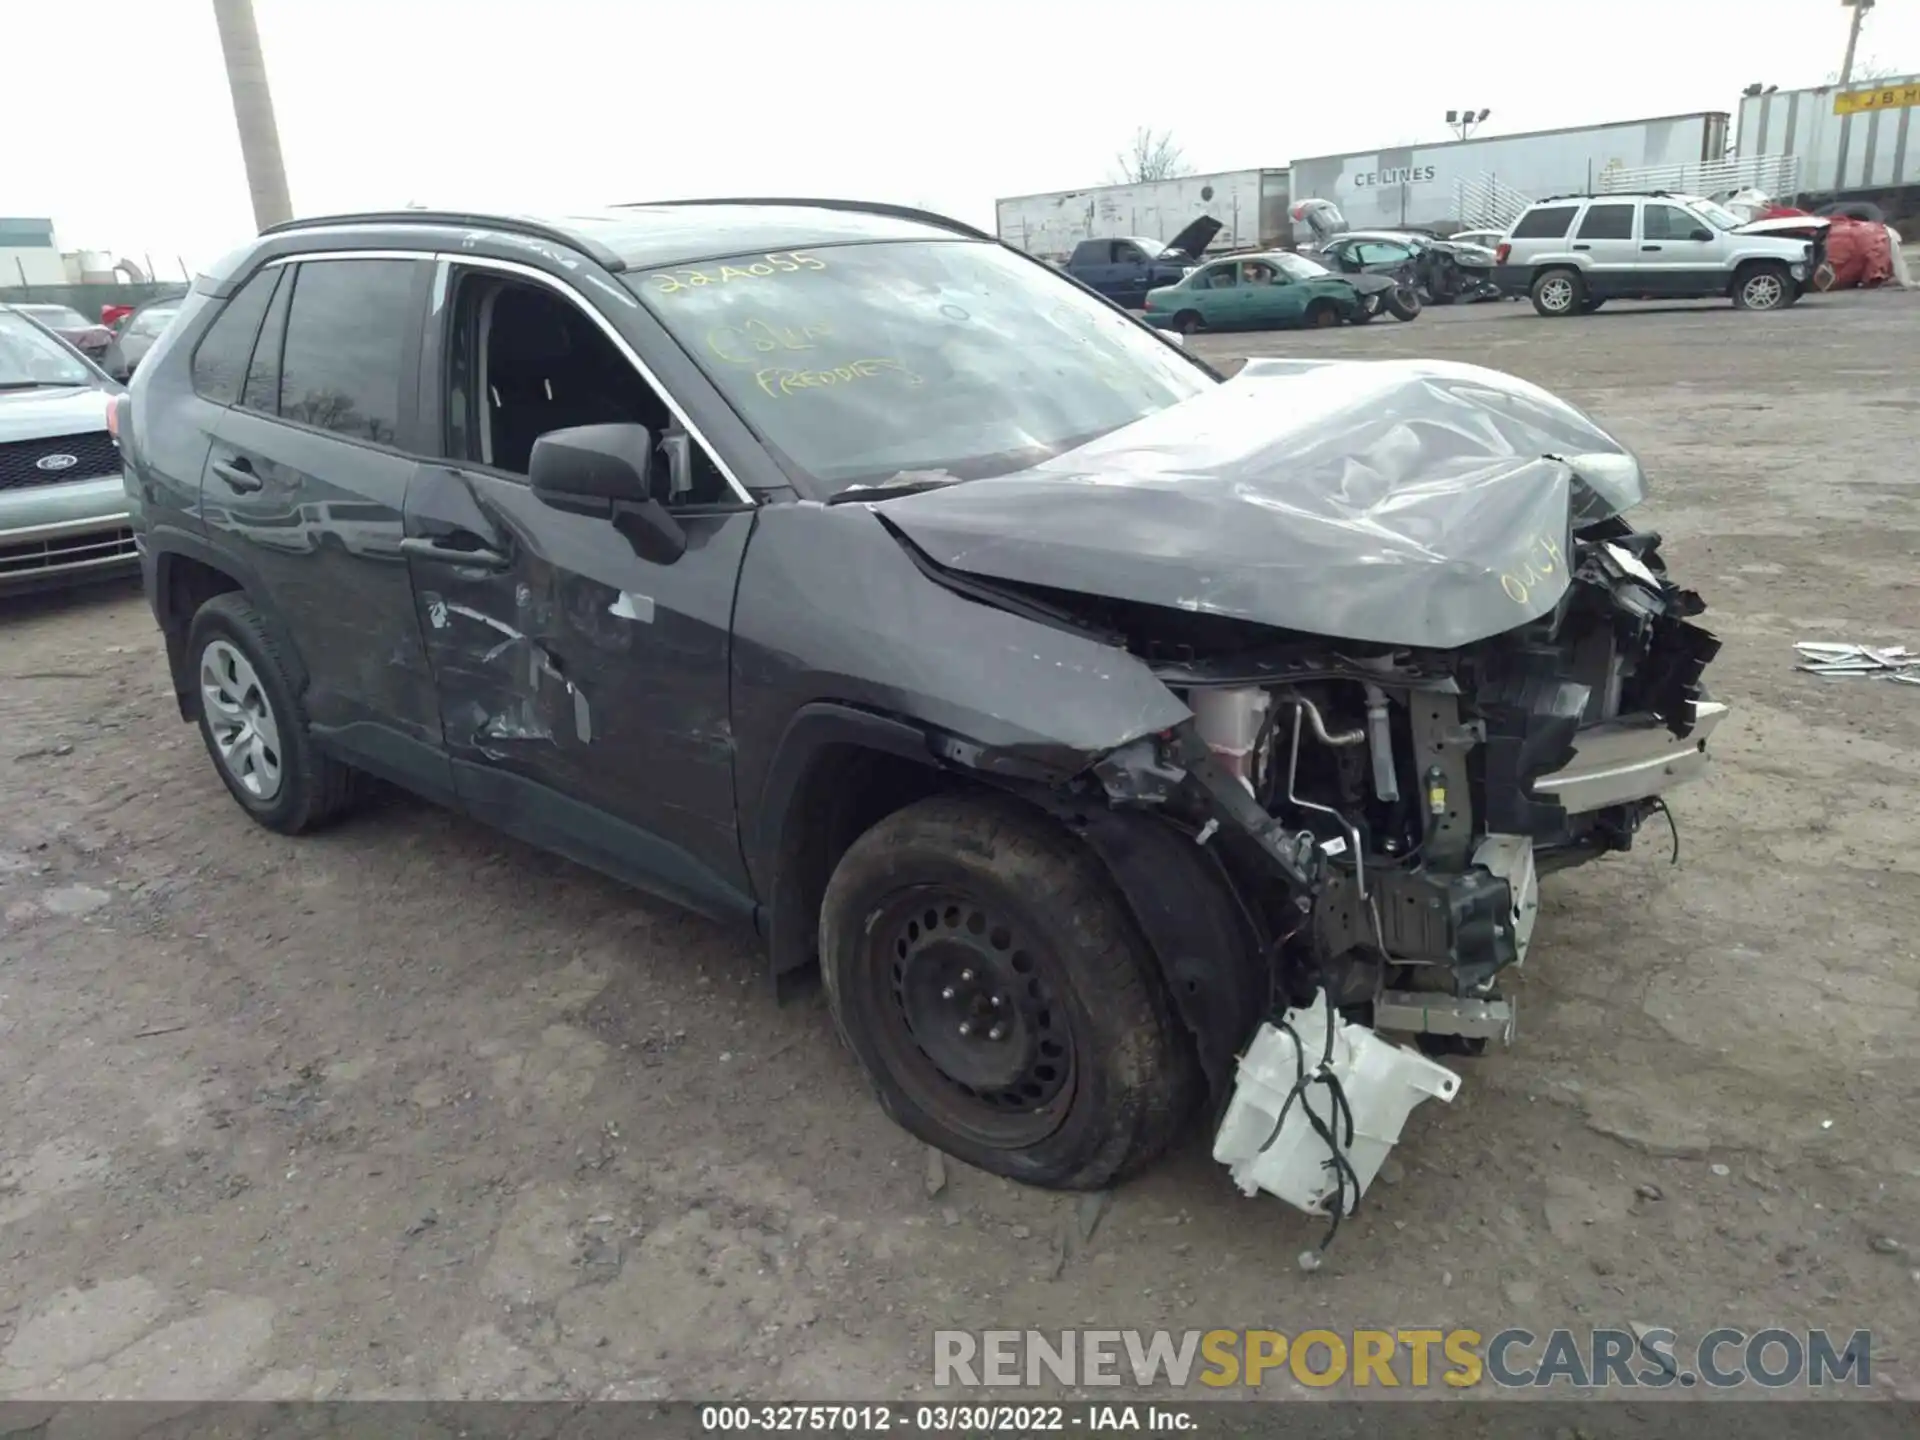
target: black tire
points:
(1591, 304)
(985, 911)
(1402, 303)
(313, 787)
(1321, 315)
(1558, 293)
(1188, 322)
(1764, 285)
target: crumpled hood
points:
(1406, 502)
(69, 410)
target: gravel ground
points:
(406, 1109)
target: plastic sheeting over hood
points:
(1418, 503)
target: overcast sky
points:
(122, 131)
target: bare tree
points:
(1865, 71)
(1152, 157)
(253, 112)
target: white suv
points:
(1574, 253)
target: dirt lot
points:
(407, 1109)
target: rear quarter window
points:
(1546, 222)
(220, 361)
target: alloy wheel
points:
(1763, 291)
(1557, 293)
(246, 735)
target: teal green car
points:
(1271, 291)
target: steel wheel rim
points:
(1764, 292)
(940, 960)
(1557, 294)
(246, 735)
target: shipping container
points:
(1251, 206)
(1423, 185)
(1861, 139)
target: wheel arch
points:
(836, 773)
(840, 770)
(187, 573)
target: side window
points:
(1608, 222)
(524, 360)
(353, 338)
(262, 390)
(1667, 222)
(220, 360)
(1544, 222)
(1223, 278)
(1126, 253)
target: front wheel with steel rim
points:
(1764, 287)
(252, 723)
(982, 968)
(1558, 292)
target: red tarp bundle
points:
(1860, 252)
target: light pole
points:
(1463, 122)
(253, 112)
(1860, 9)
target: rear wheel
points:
(253, 724)
(1187, 322)
(1558, 293)
(991, 983)
(1765, 286)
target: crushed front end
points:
(1389, 811)
(1426, 661)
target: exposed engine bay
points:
(1408, 801)
(1387, 816)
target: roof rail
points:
(465, 219)
(865, 207)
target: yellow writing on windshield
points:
(779, 262)
(1542, 562)
(779, 380)
(745, 343)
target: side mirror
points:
(1701, 234)
(586, 468)
(606, 471)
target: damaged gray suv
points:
(838, 570)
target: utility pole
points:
(1860, 9)
(253, 112)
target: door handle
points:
(478, 557)
(1583, 247)
(1649, 247)
(238, 474)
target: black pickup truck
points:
(1125, 269)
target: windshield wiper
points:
(42, 384)
(907, 482)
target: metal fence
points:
(1776, 175)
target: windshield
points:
(1299, 267)
(854, 363)
(29, 356)
(1720, 219)
(59, 317)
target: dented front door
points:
(583, 690)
